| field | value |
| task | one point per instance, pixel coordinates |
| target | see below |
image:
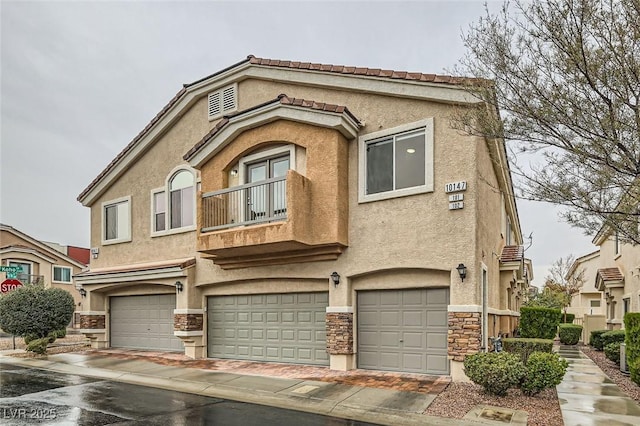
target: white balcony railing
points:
(249, 204)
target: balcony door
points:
(268, 200)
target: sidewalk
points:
(379, 406)
(588, 397)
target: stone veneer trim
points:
(464, 335)
(92, 322)
(188, 322)
(339, 333)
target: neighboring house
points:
(307, 213)
(41, 263)
(588, 301)
(617, 276)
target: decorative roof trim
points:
(136, 272)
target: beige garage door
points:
(144, 322)
(403, 330)
(269, 327)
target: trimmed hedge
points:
(570, 318)
(525, 347)
(540, 323)
(544, 371)
(569, 333)
(632, 341)
(612, 336)
(612, 352)
(595, 339)
(496, 372)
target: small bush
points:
(612, 352)
(613, 336)
(632, 341)
(569, 319)
(495, 372)
(525, 347)
(544, 370)
(569, 333)
(59, 334)
(541, 323)
(38, 346)
(28, 338)
(595, 339)
(634, 370)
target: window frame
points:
(103, 218)
(616, 244)
(167, 204)
(53, 274)
(427, 126)
(595, 300)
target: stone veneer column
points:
(465, 334)
(339, 323)
(92, 325)
(188, 325)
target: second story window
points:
(181, 199)
(616, 244)
(61, 274)
(159, 211)
(116, 221)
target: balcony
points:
(27, 279)
(275, 221)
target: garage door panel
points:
(282, 327)
(403, 330)
(143, 322)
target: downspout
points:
(485, 313)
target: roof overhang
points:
(25, 250)
(136, 273)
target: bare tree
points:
(565, 78)
(563, 281)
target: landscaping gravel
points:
(612, 370)
(458, 398)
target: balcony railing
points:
(27, 279)
(248, 204)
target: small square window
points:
(116, 221)
(62, 274)
(594, 303)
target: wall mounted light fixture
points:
(335, 277)
(179, 286)
(83, 292)
(462, 271)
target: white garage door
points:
(144, 322)
(269, 327)
(403, 330)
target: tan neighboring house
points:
(617, 277)
(41, 263)
(589, 300)
(307, 213)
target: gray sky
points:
(79, 80)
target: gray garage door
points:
(269, 327)
(403, 330)
(144, 322)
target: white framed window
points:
(222, 101)
(62, 274)
(116, 221)
(396, 162)
(181, 199)
(594, 303)
(626, 306)
(159, 210)
(616, 244)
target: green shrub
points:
(28, 338)
(544, 370)
(35, 312)
(38, 346)
(569, 318)
(612, 352)
(59, 334)
(541, 323)
(612, 336)
(569, 333)
(632, 341)
(595, 339)
(495, 372)
(525, 347)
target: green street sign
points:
(11, 269)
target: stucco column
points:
(93, 320)
(339, 322)
(188, 317)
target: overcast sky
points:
(79, 80)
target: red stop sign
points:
(9, 284)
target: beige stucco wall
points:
(628, 260)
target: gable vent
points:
(221, 101)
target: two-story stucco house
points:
(307, 213)
(49, 264)
(589, 300)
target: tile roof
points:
(610, 274)
(281, 99)
(340, 69)
(512, 254)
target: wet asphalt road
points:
(30, 396)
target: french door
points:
(267, 200)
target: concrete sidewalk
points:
(379, 406)
(588, 397)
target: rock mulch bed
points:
(459, 398)
(612, 370)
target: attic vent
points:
(221, 101)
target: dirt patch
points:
(70, 343)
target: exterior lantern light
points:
(83, 292)
(462, 271)
(335, 277)
(179, 286)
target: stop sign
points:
(9, 284)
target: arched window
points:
(181, 199)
